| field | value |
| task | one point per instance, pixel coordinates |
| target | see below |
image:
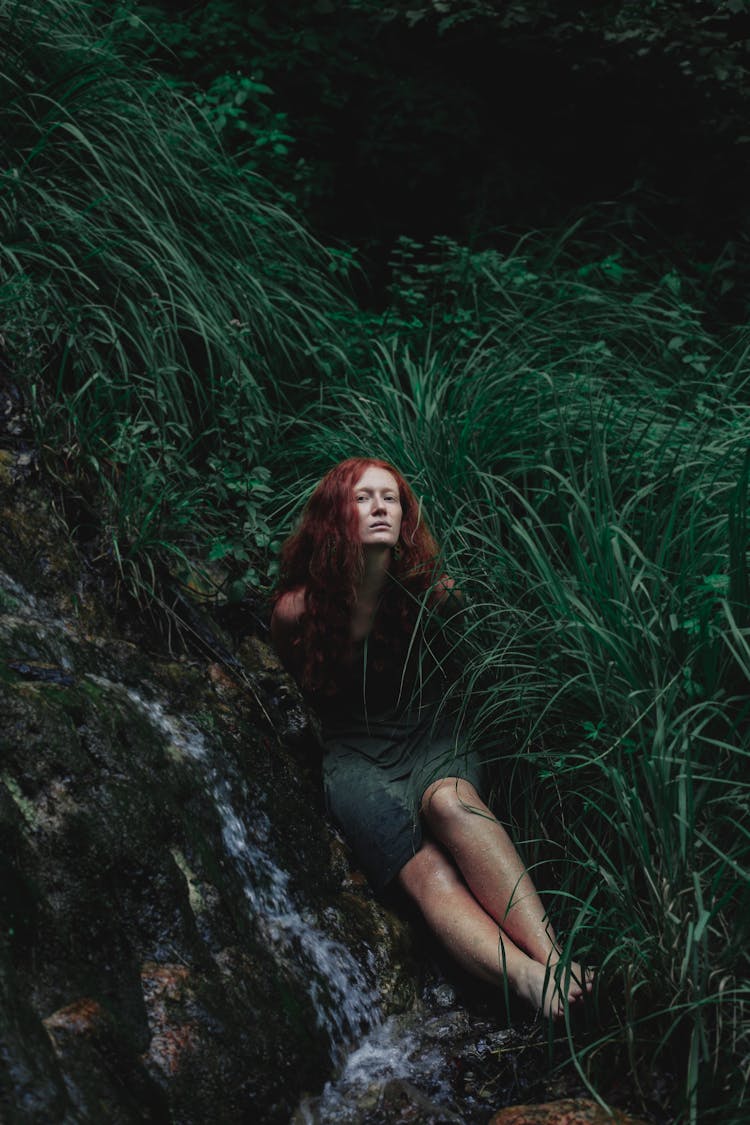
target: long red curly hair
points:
(325, 557)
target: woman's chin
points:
(383, 542)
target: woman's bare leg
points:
(470, 934)
(493, 870)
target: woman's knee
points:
(428, 871)
(449, 800)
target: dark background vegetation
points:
(481, 120)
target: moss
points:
(197, 901)
(23, 804)
(9, 603)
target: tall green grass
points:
(160, 303)
(582, 442)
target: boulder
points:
(182, 937)
(567, 1111)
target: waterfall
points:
(342, 991)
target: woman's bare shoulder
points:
(289, 608)
(446, 590)
(285, 631)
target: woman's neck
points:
(377, 563)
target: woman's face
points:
(379, 508)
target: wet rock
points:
(7, 461)
(291, 719)
(48, 673)
(177, 943)
(32, 1089)
(36, 549)
(399, 1102)
(568, 1111)
(102, 1077)
(14, 421)
(98, 809)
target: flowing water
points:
(436, 1062)
(342, 991)
(394, 1051)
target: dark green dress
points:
(384, 743)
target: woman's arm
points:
(285, 629)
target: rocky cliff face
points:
(180, 935)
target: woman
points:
(360, 619)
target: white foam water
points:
(392, 1051)
(52, 632)
(27, 603)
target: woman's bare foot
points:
(536, 984)
(572, 978)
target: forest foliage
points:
(475, 120)
(179, 307)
